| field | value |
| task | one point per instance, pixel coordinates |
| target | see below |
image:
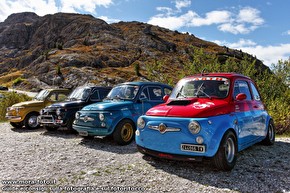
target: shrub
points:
(9, 99)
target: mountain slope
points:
(72, 49)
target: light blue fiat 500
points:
(118, 113)
(206, 116)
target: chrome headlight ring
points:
(77, 115)
(141, 123)
(194, 127)
(101, 117)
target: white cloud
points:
(40, 7)
(108, 20)
(43, 7)
(213, 17)
(182, 3)
(189, 19)
(244, 21)
(268, 54)
(250, 15)
(287, 32)
(87, 5)
(172, 22)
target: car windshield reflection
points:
(123, 92)
(210, 87)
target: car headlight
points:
(77, 115)
(194, 127)
(140, 123)
(101, 117)
(58, 111)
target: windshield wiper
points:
(199, 90)
(180, 94)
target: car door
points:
(259, 113)
(244, 113)
(150, 96)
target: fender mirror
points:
(165, 98)
(241, 96)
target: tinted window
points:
(255, 92)
(103, 93)
(144, 94)
(242, 87)
(155, 93)
(95, 95)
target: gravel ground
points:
(59, 162)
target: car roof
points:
(57, 89)
(140, 83)
(97, 87)
(229, 75)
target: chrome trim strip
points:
(168, 129)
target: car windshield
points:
(79, 94)
(41, 95)
(123, 92)
(210, 87)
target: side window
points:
(144, 94)
(255, 92)
(95, 96)
(57, 97)
(242, 87)
(167, 91)
(103, 93)
(53, 97)
(155, 93)
(61, 97)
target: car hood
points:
(197, 107)
(29, 103)
(108, 106)
(68, 104)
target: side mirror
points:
(165, 98)
(241, 96)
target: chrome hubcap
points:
(230, 150)
(32, 121)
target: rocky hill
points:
(71, 49)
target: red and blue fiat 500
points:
(211, 116)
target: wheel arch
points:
(119, 121)
(221, 129)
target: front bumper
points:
(13, 118)
(90, 131)
(168, 156)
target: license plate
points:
(83, 133)
(193, 148)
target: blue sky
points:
(258, 27)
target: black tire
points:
(69, 126)
(270, 138)
(30, 121)
(17, 125)
(49, 128)
(226, 156)
(124, 132)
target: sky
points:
(258, 27)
